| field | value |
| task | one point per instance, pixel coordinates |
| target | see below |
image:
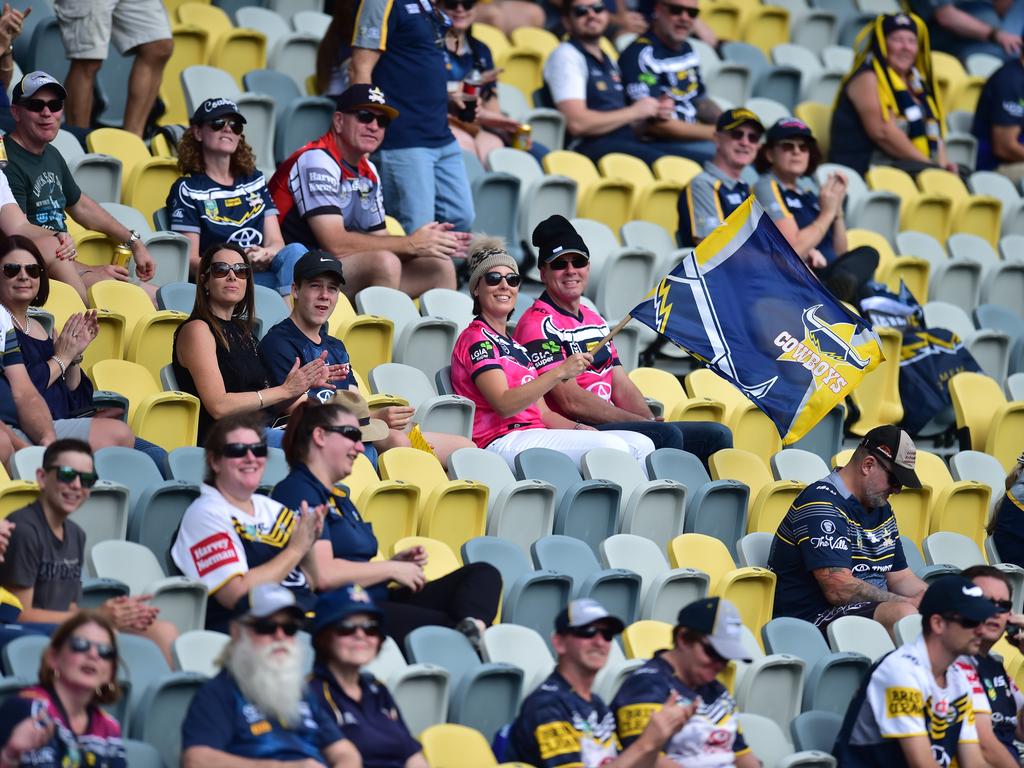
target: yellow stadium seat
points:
(601, 199)
(680, 170)
(159, 146)
(95, 249)
(149, 332)
(238, 51)
(169, 419)
(452, 511)
(666, 389)
(979, 215)
(961, 507)
(206, 16)
(540, 40)
(751, 590)
(766, 26)
(724, 19)
(642, 639)
(15, 494)
(493, 37)
(751, 429)
(769, 499)
(912, 270)
(653, 199)
(456, 746)
(4, 477)
(441, 560)
(963, 97)
(949, 73)
(919, 211)
(368, 338)
(992, 424)
(109, 342)
(190, 44)
(911, 506)
(391, 506)
(819, 119)
(878, 394)
(523, 68)
(146, 180)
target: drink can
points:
(122, 255)
(3, 153)
(521, 140)
(469, 96)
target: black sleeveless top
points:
(240, 366)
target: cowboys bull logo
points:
(825, 350)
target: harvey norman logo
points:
(825, 350)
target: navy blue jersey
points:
(801, 204)
(221, 718)
(373, 723)
(994, 693)
(558, 727)
(651, 68)
(284, 342)
(220, 214)
(476, 56)
(1001, 103)
(827, 527)
(710, 739)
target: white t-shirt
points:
(565, 72)
(6, 196)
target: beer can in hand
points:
(3, 153)
(521, 140)
(122, 255)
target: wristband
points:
(993, 35)
(259, 394)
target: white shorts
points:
(574, 443)
(88, 26)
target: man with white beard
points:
(256, 712)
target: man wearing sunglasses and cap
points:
(558, 325)
(45, 188)
(257, 710)
(328, 195)
(564, 723)
(914, 706)
(837, 552)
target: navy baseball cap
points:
(364, 96)
(955, 595)
(339, 604)
(211, 109)
(734, 118)
(719, 620)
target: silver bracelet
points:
(259, 394)
(60, 364)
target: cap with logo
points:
(956, 595)
(582, 612)
(267, 599)
(719, 620)
(895, 21)
(372, 429)
(363, 96)
(734, 118)
(556, 236)
(316, 263)
(896, 451)
(32, 82)
(211, 109)
(788, 128)
(337, 605)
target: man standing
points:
(663, 65)
(837, 551)
(42, 183)
(997, 700)
(914, 706)
(139, 26)
(564, 723)
(42, 567)
(719, 189)
(998, 119)
(328, 196)
(399, 47)
(257, 711)
(558, 325)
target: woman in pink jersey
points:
(496, 373)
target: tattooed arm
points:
(841, 587)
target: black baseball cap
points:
(556, 236)
(788, 128)
(211, 109)
(734, 118)
(896, 451)
(719, 620)
(316, 263)
(954, 594)
(894, 21)
(363, 96)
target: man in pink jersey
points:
(557, 325)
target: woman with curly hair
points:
(222, 198)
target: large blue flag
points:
(745, 304)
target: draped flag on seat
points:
(746, 305)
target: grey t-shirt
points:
(37, 558)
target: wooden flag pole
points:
(611, 334)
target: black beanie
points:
(556, 236)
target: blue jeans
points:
(156, 453)
(701, 438)
(279, 276)
(425, 184)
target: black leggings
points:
(470, 591)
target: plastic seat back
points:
(802, 466)
(796, 637)
(949, 548)
(198, 651)
(522, 647)
(861, 635)
(815, 730)
(695, 550)
(456, 746)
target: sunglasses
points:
(355, 434)
(1003, 606)
(794, 146)
(80, 645)
(349, 628)
(38, 105)
(754, 137)
(675, 10)
(494, 278)
(713, 654)
(578, 262)
(240, 450)
(11, 271)
(266, 627)
(965, 623)
(464, 4)
(67, 475)
(236, 125)
(893, 480)
(220, 269)
(366, 117)
(593, 630)
(579, 11)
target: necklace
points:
(23, 328)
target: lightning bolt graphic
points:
(661, 309)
